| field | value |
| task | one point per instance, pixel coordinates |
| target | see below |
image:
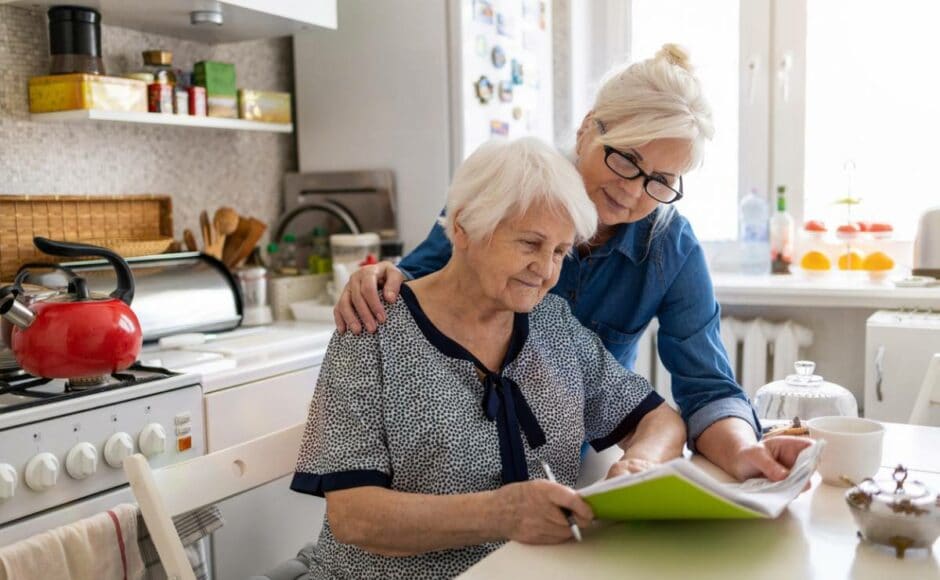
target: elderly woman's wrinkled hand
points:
(630, 465)
(359, 305)
(532, 511)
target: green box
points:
(217, 77)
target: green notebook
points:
(680, 490)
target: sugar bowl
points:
(899, 513)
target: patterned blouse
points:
(405, 409)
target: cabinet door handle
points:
(879, 372)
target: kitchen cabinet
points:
(242, 19)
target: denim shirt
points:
(619, 287)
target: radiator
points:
(759, 351)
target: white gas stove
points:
(62, 447)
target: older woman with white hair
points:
(648, 128)
(427, 437)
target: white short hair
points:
(503, 179)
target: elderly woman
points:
(427, 437)
(648, 128)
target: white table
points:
(814, 538)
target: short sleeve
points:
(615, 399)
(344, 443)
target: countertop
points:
(814, 538)
(838, 289)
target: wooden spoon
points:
(226, 222)
(206, 230)
(190, 240)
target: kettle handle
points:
(125, 279)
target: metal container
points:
(896, 513)
(175, 293)
(927, 244)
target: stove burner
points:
(22, 391)
(84, 383)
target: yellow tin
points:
(82, 91)
(267, 106)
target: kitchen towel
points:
(191, 527)
(102, 547)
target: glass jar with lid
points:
(805, 395)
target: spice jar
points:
(160, 93)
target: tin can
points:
(160, 98)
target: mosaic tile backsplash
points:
(200, 168)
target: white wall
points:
(373, 95)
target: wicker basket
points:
(131, 225)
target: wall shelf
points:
(90, 115)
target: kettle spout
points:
(16, 313)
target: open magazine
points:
(679, 489)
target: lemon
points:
(878, 261)
(851, 260)
(815, 260)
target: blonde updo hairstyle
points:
(656, 98)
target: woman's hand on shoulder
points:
(359, 304)
(530, 511)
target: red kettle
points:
(74, 335)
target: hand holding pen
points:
(572, 524)
(534, 512)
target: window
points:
(709, 31)
(871, 103)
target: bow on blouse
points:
(503, 402)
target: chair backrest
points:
(927, 404)
(201, 481)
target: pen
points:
(571, 523)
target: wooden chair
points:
(201, 481)
(927, 404)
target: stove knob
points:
(82, 461)
(42, 471)
(152, 440)
(8, 477)
(119, 446)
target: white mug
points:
(853, 448)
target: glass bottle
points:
(288, 255)
(320, 261)
(781, 235)
(753, 233)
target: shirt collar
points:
(631, 239)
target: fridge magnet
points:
(543, 15)
(504, 25)
(517, 113)
(484, 89)
(483, 11)
(505, 91)
(481, 45)
(499, 128)
(516, 68)
(498, 56)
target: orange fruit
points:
(816, 261)
(851, 260)
(878, 261)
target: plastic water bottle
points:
(754, 236)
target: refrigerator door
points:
(501, 71)
(898, 349)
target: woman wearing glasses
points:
(647, 128)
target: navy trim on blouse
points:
(503, 400)
(629, 422)
(319, 484)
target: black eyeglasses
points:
(655, 186)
